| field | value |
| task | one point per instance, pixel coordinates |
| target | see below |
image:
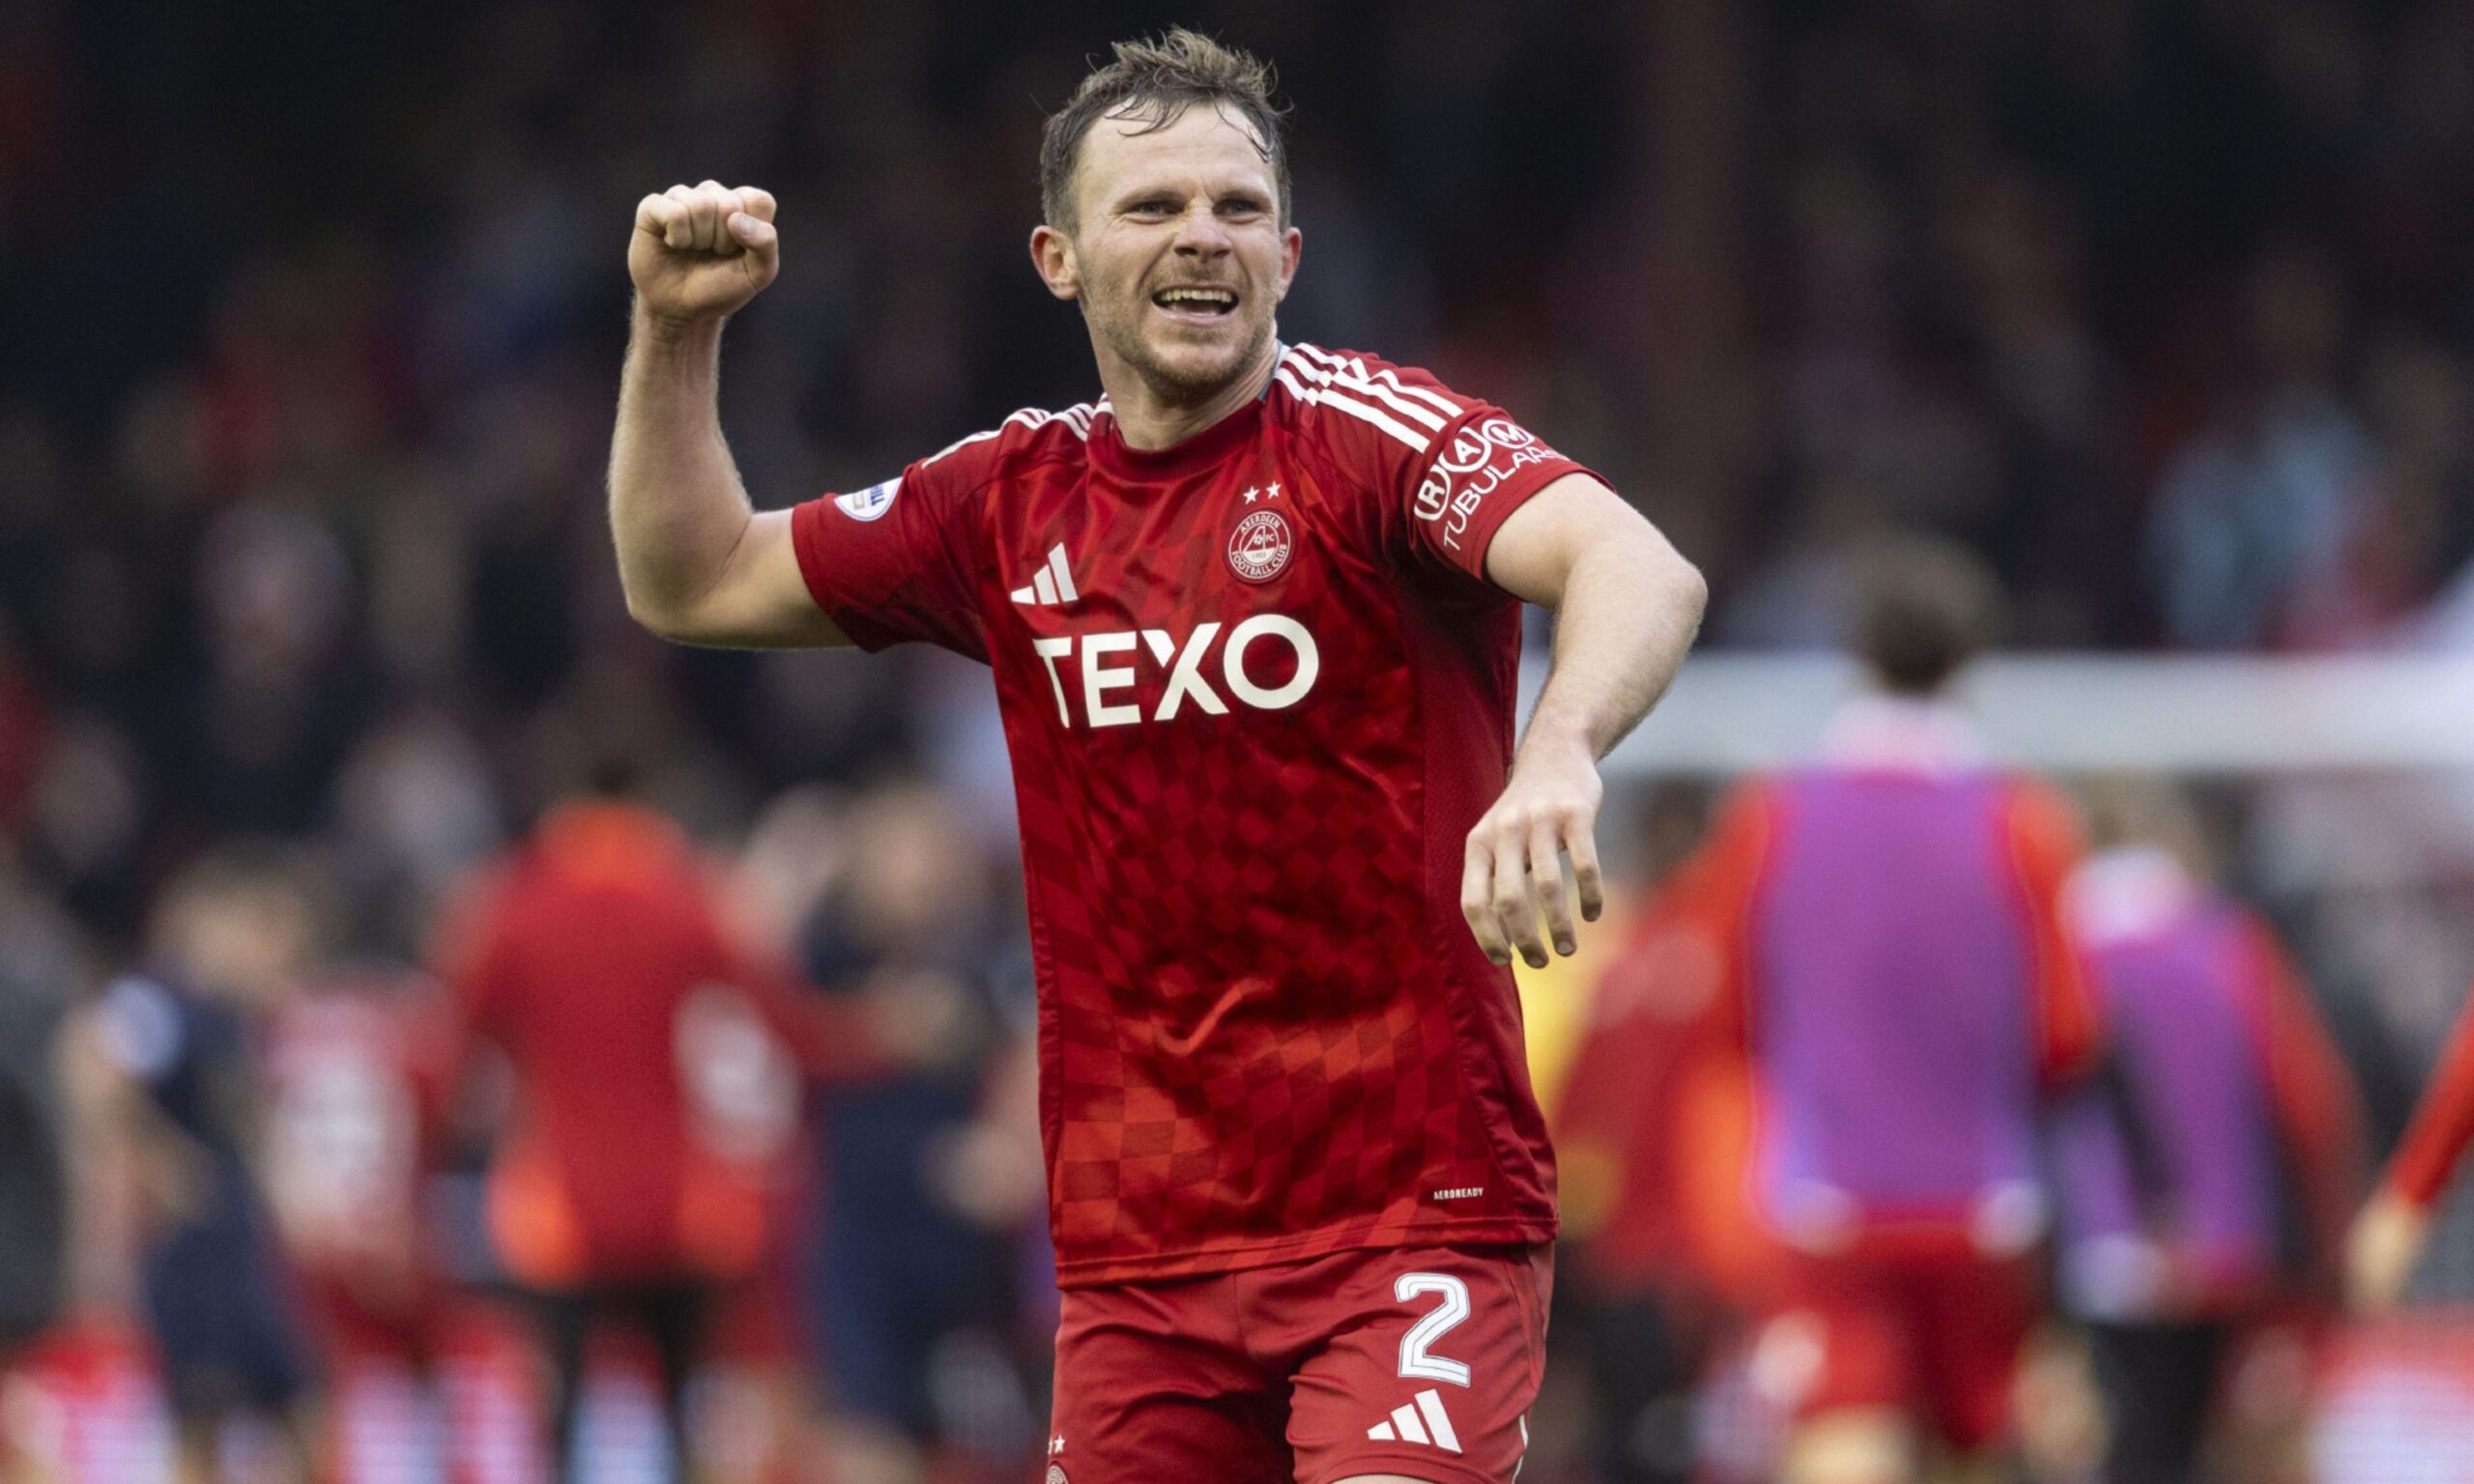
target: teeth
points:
(1197, 296)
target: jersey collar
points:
(1161, 465)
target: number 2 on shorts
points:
(1415, 1358)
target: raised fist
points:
(703, 252)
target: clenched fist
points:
(703, 252)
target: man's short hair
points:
(1923, 608)
(1155, 82)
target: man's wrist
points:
(1550, 732)
(670, 336)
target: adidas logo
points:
(1054, 585)
(1425, 1424)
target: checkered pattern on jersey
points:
(1252, 1046)
(1264, 1031)
(1236, 1060)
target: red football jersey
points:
(651, 1053)
(353, 1089)
(1256, 692)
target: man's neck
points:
(1150, 423)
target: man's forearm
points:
(1628, 614)
(677, 509)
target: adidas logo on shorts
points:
(1425, 1424)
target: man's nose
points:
(1201, 235)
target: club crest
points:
(1259, 548)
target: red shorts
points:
(1934, 1333)
(1413, 1360)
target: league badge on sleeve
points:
(873, 501)
(1259, 548)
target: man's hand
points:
(1625, 607)
(2380, 1253)
(1512, 869)
(701, 252)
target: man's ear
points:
(1292, 247)
(1052, 258)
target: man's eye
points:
(1241, 208)
(1152, 208)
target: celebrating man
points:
(1254, 622)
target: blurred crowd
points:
(307, 613)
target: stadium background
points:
(312, 315)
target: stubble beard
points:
(1173, 385)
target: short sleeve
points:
(894, 562)
(1448, 468)
(1481, 469)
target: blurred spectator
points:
(931, 1193)
(2224, 1117)
(40, 979)
(654, 1083)
(1649, 1139)
(229, 941)
(2260, 514)
(355, 1092)
(1891, 958)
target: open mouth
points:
(1196, 301)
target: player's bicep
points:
(1534, 550)
(761, 601)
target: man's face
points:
(1178, 253)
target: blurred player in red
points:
(1894, 966)
(2389, 1235)
(2225, 1109)
(423, 1377)
(1252, 619)
(1650, 1142)
(656, 1068)
(355, 1081)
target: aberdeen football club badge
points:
(1259, 548)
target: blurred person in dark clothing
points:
(916, 1266)
(655, 1061)
(39, 975)
(39, 980)
(229, 940)
(2226, 1117)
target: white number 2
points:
(1414, 1361)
